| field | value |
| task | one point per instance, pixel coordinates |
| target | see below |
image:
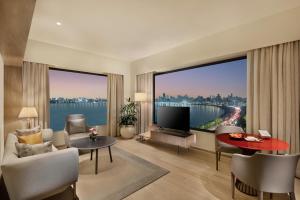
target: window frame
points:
(188, 68)
(75, 71)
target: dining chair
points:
(265, 173)
(223, 147)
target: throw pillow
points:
(76, 126)
(35, 138)
(25, 150)
(28, 131)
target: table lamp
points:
(28, 113)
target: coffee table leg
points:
(92, 154)
(96, 167)
(110, 154)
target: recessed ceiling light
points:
(58, 23)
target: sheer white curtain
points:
(273, 92)
(35, 80)
(115, 100)
(144, 83)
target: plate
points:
(252, 139)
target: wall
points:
(67, 58)
(1, 109)
(279, 28)
(12, 98)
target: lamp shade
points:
(28, 112)
(140, 96)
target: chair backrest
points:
(75, 123)
(226, 129)
(267, 172)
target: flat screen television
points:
(177, 118)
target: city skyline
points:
(223, 79)
(67, 84)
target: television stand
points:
(173, 138)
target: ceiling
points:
(133, 29)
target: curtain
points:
(273, 92)
(36, 90)
(115, 100)
(144, 83)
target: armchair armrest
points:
(41, 176)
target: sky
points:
(71, 85)
(224, 78)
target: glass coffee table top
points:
(98, 143)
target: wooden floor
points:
(192, 174)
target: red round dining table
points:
(249, 148)
(271, 144)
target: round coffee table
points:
(99, 143)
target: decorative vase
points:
(127, 131)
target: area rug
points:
(124, 176)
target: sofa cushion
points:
(35, 138)
(28, 131)
(76, 126)
(25, 150)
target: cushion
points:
(28, 131)
(76, 126)
(25, 150)
(35, 138)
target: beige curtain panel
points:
(115, 100)
(273, 92)
(144, 83)
(36, 90)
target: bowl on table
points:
(236, 136)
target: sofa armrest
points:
(41, 176)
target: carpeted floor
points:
(127, 174)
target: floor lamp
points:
(140, 97)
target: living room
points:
(149, 99)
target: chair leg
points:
(74, 191)
(292, 196)
(217, 160)
(232, 185)
(219, 156)
(261, 195)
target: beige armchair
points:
(75, 128)
(265, 172)
(223, 147)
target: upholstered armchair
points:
(223, 147)
(265, 172)
(75, 128)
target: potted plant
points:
(128, 119)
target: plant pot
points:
(127, 131)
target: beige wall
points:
(1, 108)
(67, 58)
(12, 98)
(235, 42)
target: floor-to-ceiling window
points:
(215, 92)
(73, 92)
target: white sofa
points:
(39, 176)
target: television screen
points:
(174, 118)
